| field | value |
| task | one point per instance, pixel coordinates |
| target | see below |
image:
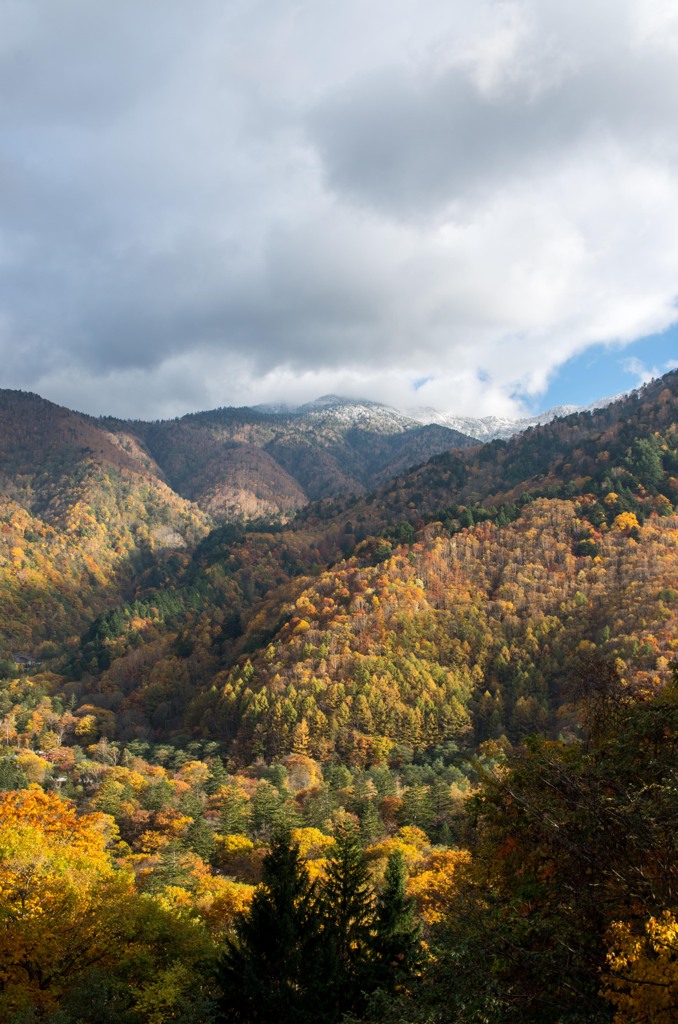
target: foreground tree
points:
(269, 970)
(396, 942)
(77, 942)
(348, 911)
(568, 907)
(313, 954)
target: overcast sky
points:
(442, 202)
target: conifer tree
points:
(268, 972)
(396, 946)
(347, 902)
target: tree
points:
(269, 970)
(396, 946)
(348, 908)
(642, 976)
(574, 873)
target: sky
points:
(464, 204)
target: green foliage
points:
(12, 775)
(396, 942)
(268, 971)
(568, 841)
(347, 906)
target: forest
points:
(406, 756)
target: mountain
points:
(468, 672)
(82, 512)
(454, 602)
(587, 451)
(491, 428)
(86, 504)
(234, 464)
(240, 464)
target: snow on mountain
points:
(344, 413)
(489, 428)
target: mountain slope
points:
(82, 511)
(373, 628)
(332, 446)
(588, 452)
(86, 503)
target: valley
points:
(363, 637)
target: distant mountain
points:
(88, 504)
(336, 410)
(490, 428)
(240, 464)
(234, 464)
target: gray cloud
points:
(237, 203)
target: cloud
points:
(244, 203)
(644, 374)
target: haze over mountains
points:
(489, 428)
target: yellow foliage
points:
(34, 767)
(175, 899)
(435, 888)
(229, 845)
(60, 898)
(642, 983)
(312, 842)
(219, 901)
(410, 841)
(170, 991)
(194, 773)
(625, 521)
(236, 855)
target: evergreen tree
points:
(348, 910)
(235, 812)
(218, 777)
(396, 946)
(11, 775)
(200, 839)
(265, 807)
(270, 970)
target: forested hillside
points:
(409, 757)
(87, 504)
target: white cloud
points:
(241, 203)
(644, 374)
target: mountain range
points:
(89, 503)
(468, 668)
(491, 428)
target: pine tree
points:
(218, 776)
(348, 908)
(235, 812)
(396, 945)
(270, 970)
